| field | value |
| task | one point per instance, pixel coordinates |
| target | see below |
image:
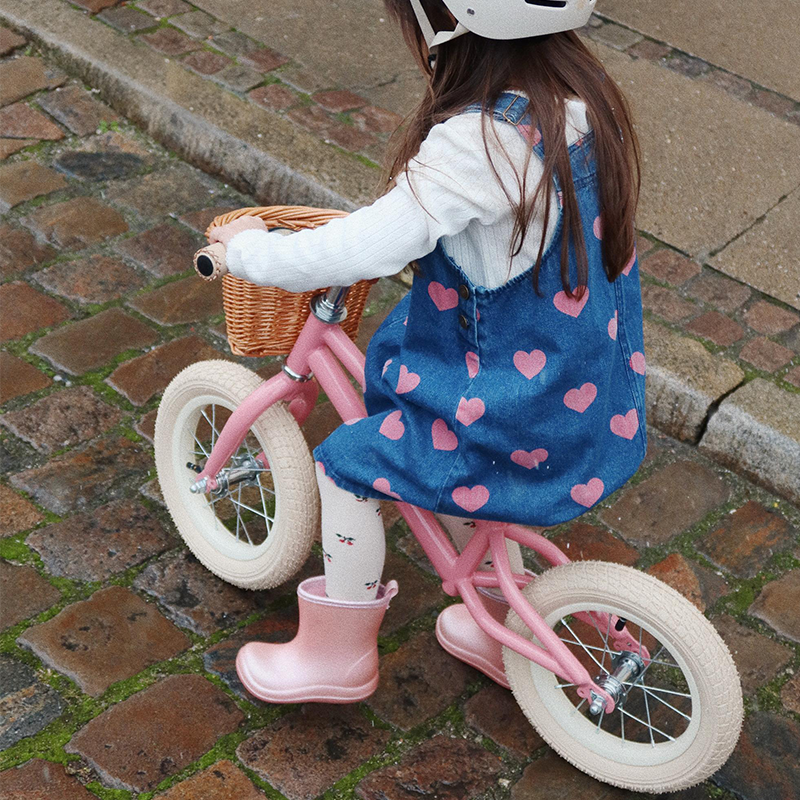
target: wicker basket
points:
(266, 320)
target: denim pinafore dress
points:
(501, 404)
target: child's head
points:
(464, 67)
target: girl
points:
(509, 383)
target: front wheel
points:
(258, 532)
(680, 718)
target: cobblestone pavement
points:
(116, 647)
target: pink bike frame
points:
(322, 350)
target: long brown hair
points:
(548, 70)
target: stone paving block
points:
(19, 250)
(667, 303)
(418, 681)
(495, 713)
(77, 223)
(697, 584)
(127, 19)
(9, 41)
(99, 166)
(94, 6)
(26, 705)
(778, 603)
(551, 777)
(16, 513)
(62, 419)
(756, 432)
(170, 42)
(372, 119)
(152, 491)
(168, 726)
(650, 50)
(10, 146)
(687, 65)
(95, 279)
(793, 376)
(25, 310)
(18, 378)
(417, 596)
(41, 780)
(145, 376)
(273, 97)
(164, 8)
(199, 221)
(790, 694)
(221, 781)
(25, 594)
(92, 342)
(615, 36)
(114, 142)
(104, 542)
(75, 108)
(683, 381)
(670, 267)
(325, 126)
(23, 122)
(234, 43)
(765, 255)
(264, 59)
(747, 539)
(20, 77)
(164, 250)
(199, 25)
(717, 328)
(338, 101)
(719, 291)
(443, 768)
(765, 354)
(647, 513)
(188, 300)
(730, 83)
(80, 478)
(770, 319)
(238, 78)
(170, 191)
(109, 637)
(584, 542)
(146, 426)
(758, 658)
(204, 62)
(194, 598)
(307, 751)
(24, 181)
(766, 763)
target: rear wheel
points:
(257, 532)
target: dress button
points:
(463, 321)
(463, 290)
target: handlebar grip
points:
(209, 262)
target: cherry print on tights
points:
(625, 425)
(530, 364)
(580, 399)
(444, 299)
(392, 427)
(443, 438)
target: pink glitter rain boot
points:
(333, 658)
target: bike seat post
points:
(330, 307)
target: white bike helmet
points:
(506, 19)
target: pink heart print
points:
(386, 366)
(392, 428)
(383, 486)
(406, 381)
(625, 426)
(629, 266)
(587, 494)
(638, 363)
(443, 437)
(612, 326)
(473, 364)
(530, 364)
(531, 459)
(597, 227)
(471, 499)
(444, 299)
(470, 410)
(580, 399)
(533, 135)
(571, 305)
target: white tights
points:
(354, 545)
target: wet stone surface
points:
(77, 223)
(188, 300)
(96, 279)
(164, 250)
(551, 777)
(19, 251)
(102, 166)
(306, 752)
(584, 542)
(112, 636)
(441, 768)
(63, 419)
(221, 781)
(19, 378)
(778, 603)
(168, 726)
(94, 546)
(26, 310)
(81, 478)
(76, 109)
(696, 583)
(26, 705)
(41, 780)
(25, 593)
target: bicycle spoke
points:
(649, 724)
(239, 504)
(581, 644)
(647, 690)
(650, 727)
(600, 649)
(263, 505)
(213, 428)
(200, 445)
(658, 689)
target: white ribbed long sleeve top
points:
(450, 193)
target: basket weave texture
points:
(266, 320)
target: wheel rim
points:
(658, 719)
(238, 522)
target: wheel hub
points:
(245, 470)
(628, 667)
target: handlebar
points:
(209, 261)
